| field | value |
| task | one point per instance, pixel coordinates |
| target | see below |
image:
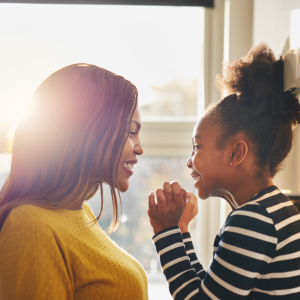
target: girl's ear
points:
(238, 153)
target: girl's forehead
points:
(206, 130)
(201, 127)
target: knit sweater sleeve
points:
(32, 265)
(247, 243)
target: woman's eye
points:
(196, 147)
(133, 132)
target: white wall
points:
(271, 24)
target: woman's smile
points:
(128, 166)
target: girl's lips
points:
(196, 178)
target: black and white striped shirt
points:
(256, 254)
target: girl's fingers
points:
(190, 195)
(179, 195)
(161, 200)
(184, 195)
(167, 189)
(152, 204)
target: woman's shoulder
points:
(26, 225)
(31, 217)
(87, 209)
(28, 214)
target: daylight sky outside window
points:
(159, 49)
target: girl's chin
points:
(201, 194)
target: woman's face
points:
(131, 150)
(206, 162)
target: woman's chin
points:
(123, 186)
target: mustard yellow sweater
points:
(55, 254)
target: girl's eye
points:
(196, 147)
(133, 132)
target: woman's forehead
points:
(137, 115)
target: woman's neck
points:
(78, 204)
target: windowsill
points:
(155, 277)
(175, 119)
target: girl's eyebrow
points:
(196, 137)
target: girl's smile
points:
(196, 178)
(206, 160)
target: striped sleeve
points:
(190, 251)
(247, 244)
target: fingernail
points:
(151, 194)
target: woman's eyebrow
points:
(137, 124)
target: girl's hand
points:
(169, 208)
(191, 210)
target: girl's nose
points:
(189, 162)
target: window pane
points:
(5, 162)
(158, 48)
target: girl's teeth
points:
(128, 166)
(197, 178)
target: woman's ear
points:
(238, 153)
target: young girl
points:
(82, 131)
(238, 147)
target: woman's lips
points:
(128, 166)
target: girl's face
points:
(206, 162)
(128, 159)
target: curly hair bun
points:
(257, 80)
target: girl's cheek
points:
(196, 162)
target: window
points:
(158, 48)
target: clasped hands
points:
(174, 207)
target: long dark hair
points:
(73, 111)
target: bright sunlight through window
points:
(159, 49)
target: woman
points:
(238, 147)
(82, 131)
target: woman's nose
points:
(138, 149)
